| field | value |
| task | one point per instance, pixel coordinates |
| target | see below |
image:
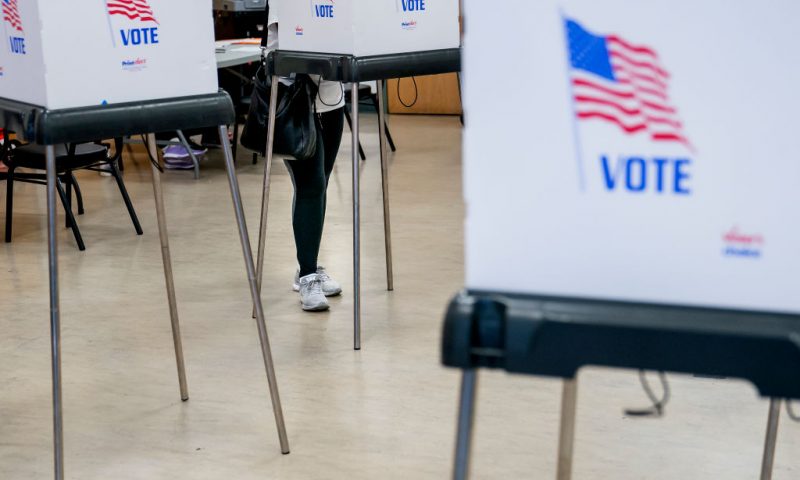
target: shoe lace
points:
(322, 274)
(314, 285)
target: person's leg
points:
(332, 128)
(308, 177)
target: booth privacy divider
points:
(633, 206)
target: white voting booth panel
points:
(62, 54)
(648, 151)
(367, 27)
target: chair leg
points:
(9, 203)
(389, 138)
(350, 124)
(67, 181)
(385, 124)
(255, 158)
(235, 146)
(71, 219)
(78, 193)
(348, 118)
(125, 197)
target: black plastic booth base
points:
(85, 124)
(352, 69)
(557, 336)
(538, 335)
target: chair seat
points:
(33, 156)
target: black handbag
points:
(295, 126)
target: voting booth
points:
(354, 41)
(81, 71)
(636, 198)
(93, 52)
(368, 27)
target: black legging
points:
(310, 179)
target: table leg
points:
(771, 439)
(387, 223)
(356, 222)
(262, 231)
(55, 313)
(466, 419)
(566, 440)
(167, 260)
(251, 276)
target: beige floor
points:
(385, 413)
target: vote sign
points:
(91, 52)
(641, 151)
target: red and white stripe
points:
(638, 102)
(11, 15)
(133, 9)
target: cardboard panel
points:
(89, 52)
(367, 27)
(639, 151)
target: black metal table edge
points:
(557, 336)
(48, 127)
(351, 68)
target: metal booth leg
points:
(771, 439)
(387, 223)
(55, 314)
(251, 277)
(188, 148)
(566, 440)
(356, 222)
(466, 418)
(167, 260)
(262, 231)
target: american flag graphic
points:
(11, 14)
(622, 83)
(133, 9)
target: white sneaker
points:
(330, 287)
(311, 295)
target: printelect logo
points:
(738, 244)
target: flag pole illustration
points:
(575, 132)
(110, 27)
(5, 29)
